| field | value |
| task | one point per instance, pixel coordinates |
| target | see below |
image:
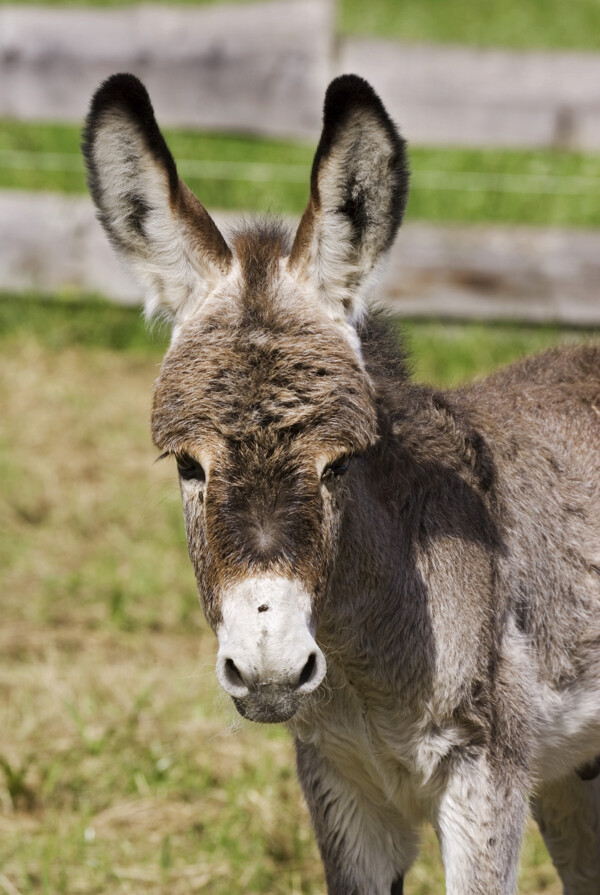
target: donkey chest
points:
(393, 755)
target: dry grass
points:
(125, 770)
(122, 768)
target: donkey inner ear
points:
(358, 192)
(155, 223)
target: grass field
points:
(524, 24)
(541, 187)
(509, 23)
(122, 767)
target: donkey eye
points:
(189, 469)
(337, 467)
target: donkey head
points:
(263, 397)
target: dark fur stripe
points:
(345, 95)
(127, 93)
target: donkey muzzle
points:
(268, 659)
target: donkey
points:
(409, 578)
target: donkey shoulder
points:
(567, 370)
(541, 420)
(546, 403)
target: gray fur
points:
(430, 560)
(568, 814)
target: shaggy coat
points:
(409, 578)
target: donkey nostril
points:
(308, 670)
(232, 674)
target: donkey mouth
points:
(268, 710)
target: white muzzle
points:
(268, 660)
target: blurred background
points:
(122, 768)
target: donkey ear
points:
(358, 192)
(155, 223)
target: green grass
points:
(443, 353)
(122, 767)
(224, 192)
(449, 354)
(541, 187)
(58, 323)
(524, 24)
(505, 186)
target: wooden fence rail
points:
(260, 68)
(51, 243)
(263, 68)
(469, 97)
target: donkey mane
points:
(259, 245)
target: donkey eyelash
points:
(189, 468)
(337, 467)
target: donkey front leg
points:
(568, 815)
(479, 821)
(366, 846)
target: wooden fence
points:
(468, 97)
(490, 273)
(263, 67)
(259, 68)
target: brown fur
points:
(442, 547)
(282, 372)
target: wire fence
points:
(258, 172)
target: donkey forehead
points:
(238, 372)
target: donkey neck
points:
(375, 617)
(417, 536)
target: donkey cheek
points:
(205, 570)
